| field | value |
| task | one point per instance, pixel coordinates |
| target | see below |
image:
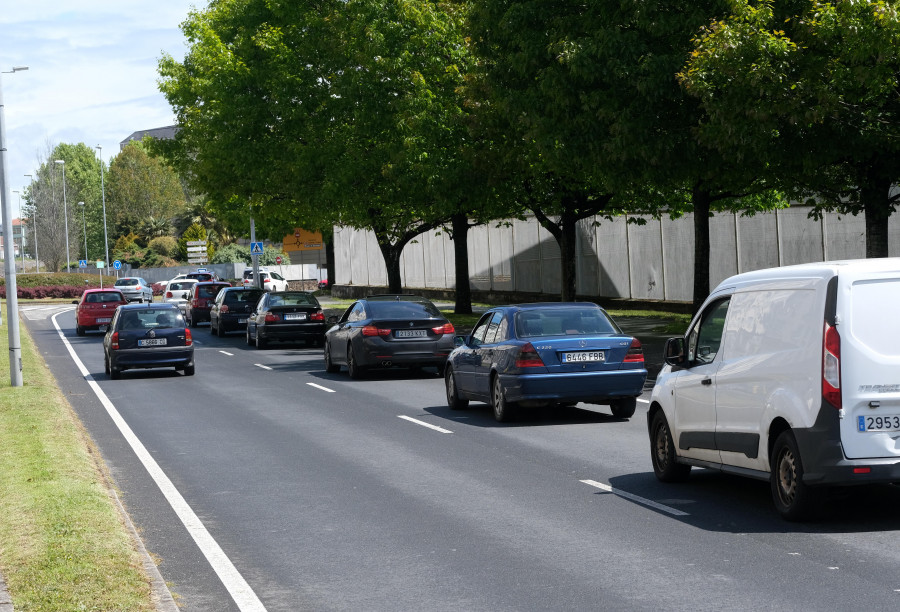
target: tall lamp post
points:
(34, 222)
(9, 262)
(103, 196)
(21, 229)
(84, 225)
(65, 212)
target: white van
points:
(790, 375)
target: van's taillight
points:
(831, 367)
(529, 358)
(114, 341)
(635, 353)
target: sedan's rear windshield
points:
(563, 322)
(244, 295)
(293, 299)
(208, 291)
(181, 286)
(106, 296)
(126, 282)
(403, 310)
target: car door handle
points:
(706, 381)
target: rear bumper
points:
(376, 352)
(314, 331)
(125, 359)
(588, 387)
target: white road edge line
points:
(326, 389)
(423, 424)
(264, 367)
(240, 590)
(636, 498)
(227, 353)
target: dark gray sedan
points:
(286, 316)
(389, 330)
(148, 336)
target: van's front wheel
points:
(662, 452)
(794, 499)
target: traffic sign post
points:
(256, 248)
(82, 263)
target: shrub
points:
(166, 246)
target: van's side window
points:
(705, 338)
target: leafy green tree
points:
(810, 89)
(194, 233)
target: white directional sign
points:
(256, 248)
(191, 243)
(196, 249)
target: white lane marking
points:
(227, 353)
(321, 387)
(636, 498)
(424, 424)
(643, 401)
(259, 365)
(240, 590)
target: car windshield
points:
(208, 291)
(563, 322)
(180, 286)
(403, 310)
(293, 299)
(106, 296)
(151, 319)
(126, 282)
(235, 297)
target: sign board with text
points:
(303, 240)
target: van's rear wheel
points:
(662, 452)
(794, 499)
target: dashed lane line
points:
(326, 389)
(635, 498)
(424, 424)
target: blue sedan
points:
(544, 354)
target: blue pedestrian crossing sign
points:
(82, 263)
(256, 248)
(117, 264)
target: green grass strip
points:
(63, 544)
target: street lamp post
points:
(21, 230)
(65, 212)
(84, 225)
(103, 196)
(9, 262)
(34, 222)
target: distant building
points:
(163, 133)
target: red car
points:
(200, 300)
(96, 308)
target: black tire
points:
(220, 331)
(355, 370)
(330, 367)
(662, 452)
(79, 330)
(623, 408)
(794, 499)
(212, 330)
(453, 399)
(503, 410)
(261, 342)
(189, 370)
(115, 373)
(249, 341)
(106, 365)
(193, 322)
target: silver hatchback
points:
(135, 289)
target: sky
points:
(92, 74)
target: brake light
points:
(168, 294)
(446, 328)
(265, 280)
(529, 358)
(114, 341)
(223, 308)
(371, 330)
(317, 316)
(271, 318)
(188, 339)
(831, 367)
(635, 353)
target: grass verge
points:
(63, 545)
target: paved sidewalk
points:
(5, 601)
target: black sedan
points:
(389, 330)
(148, 336)
(231, 309)
(546, 354)
(287, 316)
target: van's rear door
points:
(869, 327)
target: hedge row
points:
(71, 279)
(51, 291)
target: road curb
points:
(5, 601)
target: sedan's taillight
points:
(114, 341)
(272, 318)
(317, 316)
(188, 339)
(371, 330)
(223, 308)
(529, 358)
(635, 352)
(831, 367)
(446, 328)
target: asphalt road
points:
(323, 493)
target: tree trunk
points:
(460, 224)
(391, 254)
(329, 260)
(567, 241)
(701, 200)
(875, 194)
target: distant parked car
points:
(231, 309)
(271, 281)
(96, 308)
(148, 336)
(546, 354)
(135, 289)
(389, 330)
(286, 316)
(196, 308)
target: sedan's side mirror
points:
(674, 352)
(460, 340)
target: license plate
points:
(106, 320)
(295, 316)
(890, 422)
(584, 356)
(152, 342)
(410, 333)
(241, 321)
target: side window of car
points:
(481, 329)
(706, 337)
(493, 327)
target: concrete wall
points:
(631, 257)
